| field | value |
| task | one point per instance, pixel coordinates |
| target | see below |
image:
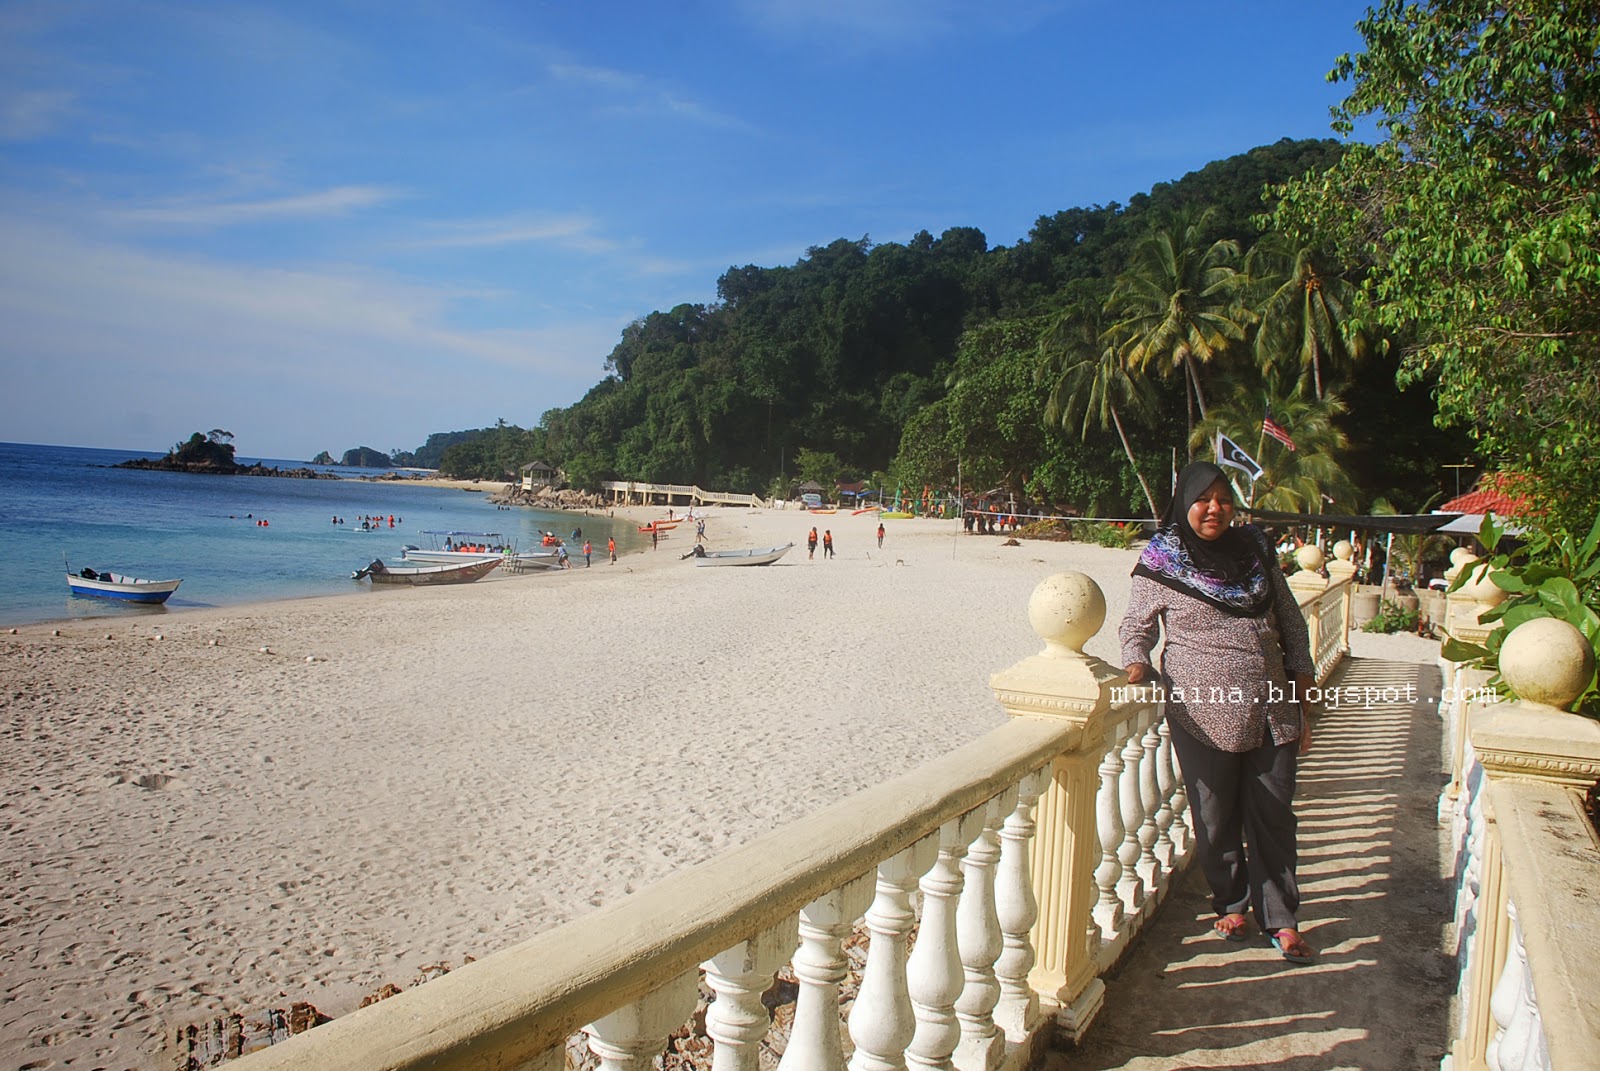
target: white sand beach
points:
(192, 824)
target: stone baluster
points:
(1131, 888)
(1169, 839)
(737, 1020)
(1182, 828)
(933, 972)
(630, 1038)
(1108, 913)
(882, 1022)
(1017, 910)
(1150, 796)
(1518, 1044)
(1066, 610)
(819, 966)
(978, 925)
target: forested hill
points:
(820, 368)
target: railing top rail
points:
(508, 1007)
(1551, 879)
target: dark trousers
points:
(1237, 798)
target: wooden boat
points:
(755, 556)
(117, 586)
(460, 573)
(659, 526)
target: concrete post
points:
(1066, 610)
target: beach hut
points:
(535, 474)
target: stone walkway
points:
(1374, 904)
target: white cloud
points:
(569, 232)
(313, 354)
(31, 114)
(625, 93)
(856, 24)
(336, 201)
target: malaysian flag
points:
(1273, 428)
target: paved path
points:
(1374, 904)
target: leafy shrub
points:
(1392, 617)
(1106, 534)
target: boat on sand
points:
(752, 556)
(459, 573)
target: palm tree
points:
(1304, 312)
(1090, 378)
(1301, 480)
(1175, 306)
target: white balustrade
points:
(820, 965)
(630, 1038)
(1017, 909)
(1108, 911)
(981, 942)
(1150, 796)
(933, 973)
(737, 1021)
(882, 1022)
(1001, 836)
(1518, 1044)
(1131, 888)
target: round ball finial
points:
(1461, 556)
(1066, 610)
(1479, 588)
(1310, 557)
(1547, 662)
(1343, 550)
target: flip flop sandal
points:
(1295, 951)
(1231, 927)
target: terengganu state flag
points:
(1232, 454)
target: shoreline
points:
(400, 780)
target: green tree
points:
(1305, 322)
(1175, 306)
(1090, 380)
(1478, 220)
(1302, 480)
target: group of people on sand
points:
(981, 522)
(827, 543)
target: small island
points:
(323, 458)
(212, 454)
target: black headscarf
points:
(1227, 572)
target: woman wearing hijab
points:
(1237, 672)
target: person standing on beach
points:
(811, 543)
(588, 549)
(655, 538)
(827, 543)
(880, 535)
(611, 548)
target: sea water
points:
(63, 508)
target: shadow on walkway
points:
(1373, 904)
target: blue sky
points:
(356, 222)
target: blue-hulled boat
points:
(117, 586)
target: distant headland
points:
(212, 454)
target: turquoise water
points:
(62, 500)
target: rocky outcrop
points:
(172, 464)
